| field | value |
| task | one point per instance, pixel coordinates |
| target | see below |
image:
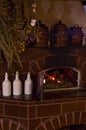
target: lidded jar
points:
(75, 35)
(42, 35)
(59, 34)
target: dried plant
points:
(11, 22)
(14, 30)
(8, 44)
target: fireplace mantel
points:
(33, 53)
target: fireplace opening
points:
(61, 78)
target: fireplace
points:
(70, 60)
(60, 110)
(59, 78)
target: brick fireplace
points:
(67, 57)
(56, 111)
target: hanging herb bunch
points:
(14, 29)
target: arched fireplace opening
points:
(59, 78)
(52, 80)
(70, 64)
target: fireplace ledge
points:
(50, 95)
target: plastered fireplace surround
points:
(54, 112)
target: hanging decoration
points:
(32, 29)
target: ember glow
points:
(60, 78)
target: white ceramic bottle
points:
(6, 86)
(28, 85)
(17, 87)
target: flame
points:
(59, 81)
(52, 78)
(44, 81)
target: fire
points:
(44, 81)
(59, 81)
(52, 78)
